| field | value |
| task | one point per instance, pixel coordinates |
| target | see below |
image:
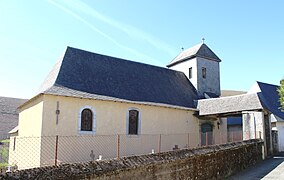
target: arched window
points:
(133, 122)
(86, 120)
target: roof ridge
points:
(227, 97)
(122, 59)
(267, 84)
(52, 76)
(199, 50)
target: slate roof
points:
(199, 50)
(85, 74)
(229, 104)
(9, 113)
(270, 98)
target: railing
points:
(29, 152)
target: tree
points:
(281, 94)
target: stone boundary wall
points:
(212, 162)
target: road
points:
(271, 168)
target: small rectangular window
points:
(204, 72)
(190, 73)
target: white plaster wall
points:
(274, 118)
(280, 128)
(254, 89)
(253, 125)
(184, 67)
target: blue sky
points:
(247, 35)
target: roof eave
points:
(126, 101)
(29, 101)
(181, 60)
(191, 57)
(226, 114)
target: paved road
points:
(272, 168)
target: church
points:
(90, 95)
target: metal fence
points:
(4, 152)
(29, 152)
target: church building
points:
(92, 94)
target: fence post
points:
(160, 139)
(56, 150)
(118, 146)
(187, 140)
(14, 145)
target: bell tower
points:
(201, 66)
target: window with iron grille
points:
(133, 122)
(86, 120)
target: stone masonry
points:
(212, 162)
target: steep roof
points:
(8, 113)
(86, 74)
(270, 98)
(199, 50)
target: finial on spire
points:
(203, 39)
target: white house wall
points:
(184, 67)
(253, 125)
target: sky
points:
(246, 35)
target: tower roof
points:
(80, 72)
(199, 50)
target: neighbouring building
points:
(270, 99)
(256, 113)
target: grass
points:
(5, 140)
(2, 165)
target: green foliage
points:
(5, 140)
(4, 154)
(281, 94)
(2, 165)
